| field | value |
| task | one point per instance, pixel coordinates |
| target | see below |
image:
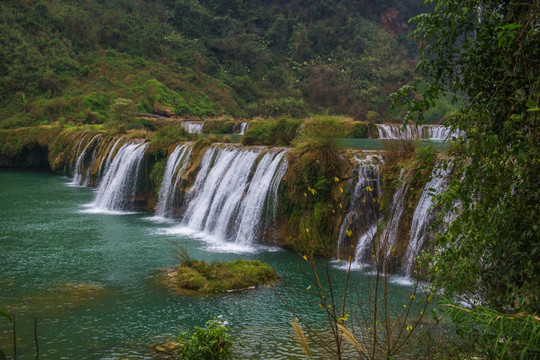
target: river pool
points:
(90, 280)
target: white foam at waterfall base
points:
(116, 190)
(212, 243)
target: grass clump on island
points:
(218, 276)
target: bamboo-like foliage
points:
(501, 336)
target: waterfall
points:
(424, 214)
(361, 212)
(395, 131)
(104, 166)
(230, 191)
(440, 132)
(433, 132)
(193, 127)
(265, 182)
(363, 245)
(389, 236)
(117, 189)
(179, 157)
(78, 178)
(243, 128)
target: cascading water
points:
(389, 236)
(395, 131)
(432, 132)
(78, 178)
(104, 166)
(243, 128)
(176, 164)
(264, 185)
(424, 214)
(440, 132)
(363, 245)
(362, 209)
(193, 127)
(117, 189)
(232, 187)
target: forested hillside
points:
(70, 60)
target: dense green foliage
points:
(310, 194)
(67, 60)
(488, 53)
(210, 343)
(280, 132)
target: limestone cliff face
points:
(393, 21)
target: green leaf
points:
(6, 315)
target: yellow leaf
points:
(409, 328)
(305, 257)
(307, 230)
(368, 188)
(309, 287)
(336, 179)
(341, 189)
(349, 233)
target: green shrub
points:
(223, 276)
(209, 343)
(284, 107)
(97, 101)
(280, 132)
(169, 135)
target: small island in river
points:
(217, 277)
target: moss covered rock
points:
(219, 276)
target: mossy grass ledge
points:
(219, 277)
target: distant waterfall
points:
(424, 214)
(387, 131)
(361, 212)
(176, 164)
(440, 132)
(243, 128)
(229, 195)
(78, 177)
(117, 188)
(432, 132)
(193, 127)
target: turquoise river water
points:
(90, 280)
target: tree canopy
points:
(487, 55)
